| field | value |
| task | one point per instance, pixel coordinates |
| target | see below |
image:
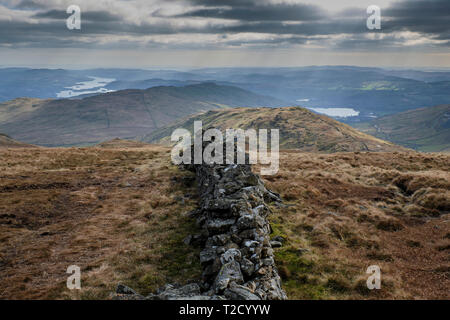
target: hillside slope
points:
(7, 142)
(299, 129)
(424, 129)
(122, 144)
(123, 114)
(346, 211)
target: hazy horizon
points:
(194, 68)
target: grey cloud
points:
(423, 16)
(254, 12)
(419, 9)
(276, 41)
(88, 15)
(427, 17)
(29, 5)
(304, 29)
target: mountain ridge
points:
(7, 142)
(123, 114)
(299, 129)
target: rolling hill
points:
(370, 91)
(425, 129)
(7, 142)
(299, 129)
(122, 114)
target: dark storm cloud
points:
(419, 8)
(423, 16)
(21, 31)
(246, 16)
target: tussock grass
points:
(117, 213)
(347, 211)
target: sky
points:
(224, 33)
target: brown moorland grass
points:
(116, 213)
(344, 212)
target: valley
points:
(369, 91)
(424, 129)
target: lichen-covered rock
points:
(228, 274)
(230, 255)
(238, 292)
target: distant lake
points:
(85, 87)
(337, 112)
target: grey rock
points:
(219, 226)
(230, 255)
(123, 289)
(267, 261)
(237, 292)
(279, 239)
(207, 255)
(176, 293)
(246, 222)
(247, 267)
(230, 272)
(251, 243)
(221, 239)
(276, 244)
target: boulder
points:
(230, 272)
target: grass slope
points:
(425, 129)
(7, 142)
(346, 211)
(118, 214)
(121, 144)
(124, 114)
(299, 129)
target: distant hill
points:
(299, 129)
(425, 129)
(370, 91)
(19, 107)
(124, 114)
(7, 142)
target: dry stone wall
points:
(237, 256)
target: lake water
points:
(86, 87)
(337, 112)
